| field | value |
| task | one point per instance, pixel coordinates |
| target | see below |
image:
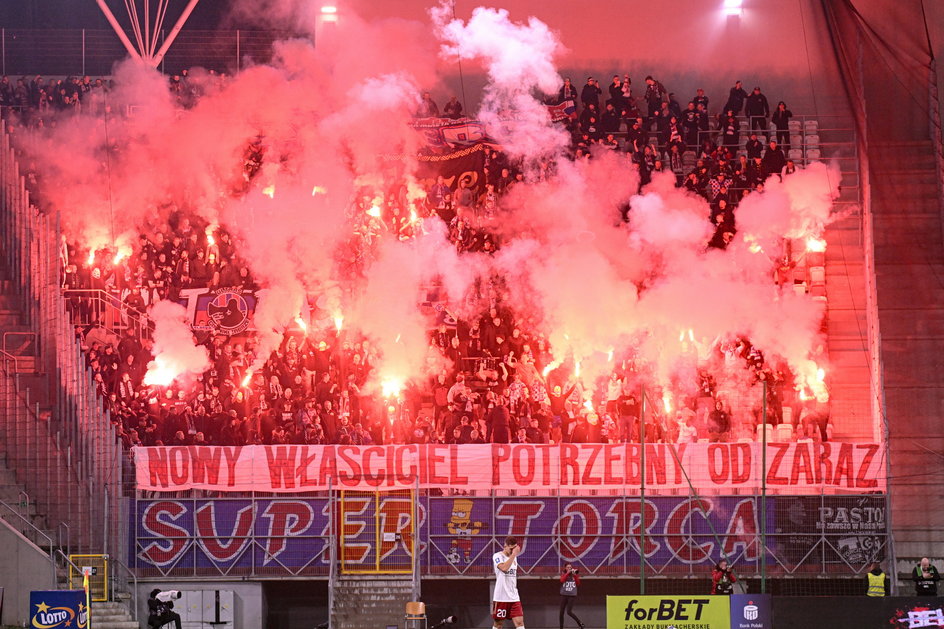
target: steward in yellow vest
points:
(877, 581)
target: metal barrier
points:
(372, 546)
(93, 51)
(262, 537)
(57, 437)
(98, 579)
(87, 307)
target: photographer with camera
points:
(722, 579)
(160, 605)
(569, 579)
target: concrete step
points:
(361, 602)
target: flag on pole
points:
(86, 571)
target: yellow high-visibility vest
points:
(876, 584)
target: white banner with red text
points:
(791, 468)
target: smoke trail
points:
(175, 354)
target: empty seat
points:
(810, 126)
(812, 154)
(811, 141)
(415, 617)
(800, 288)
(770, 432)
(817, 276)
(783, 432)
(795, 154)
(788, 415)
(796, 139)
(795, 126)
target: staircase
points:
(364, 602)
(847, 328)
(909, 269)
(112, 615)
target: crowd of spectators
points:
(502, 384)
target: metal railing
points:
(88, 307)
(95, 51)
(57, 438)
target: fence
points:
(95, 52)
(56, 437)
(259, 536)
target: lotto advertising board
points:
(457, 535)
(668, 612)
(58, 609)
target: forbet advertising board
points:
(658, 612)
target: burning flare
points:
(160, 373)
(301, 323)
(815, 245)
(391, 387)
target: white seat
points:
(796, 140)
(795, 126)
(770, 432)
(811, 141)
(783, 433)
(810, 126)
(817, 276)
(788, 415)
(795, 154)
(812, 154)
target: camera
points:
(168, 596)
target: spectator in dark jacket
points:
(736, 98)
(757, 109)
(567, 92)
(781, 120)
(590, 94)
(774, 159)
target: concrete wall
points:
(248, 598)
(23, 568)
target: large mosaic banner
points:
(457, 535)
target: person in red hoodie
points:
(569, 579)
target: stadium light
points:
(329, 14)
(732, 7)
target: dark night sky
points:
(43, 14)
